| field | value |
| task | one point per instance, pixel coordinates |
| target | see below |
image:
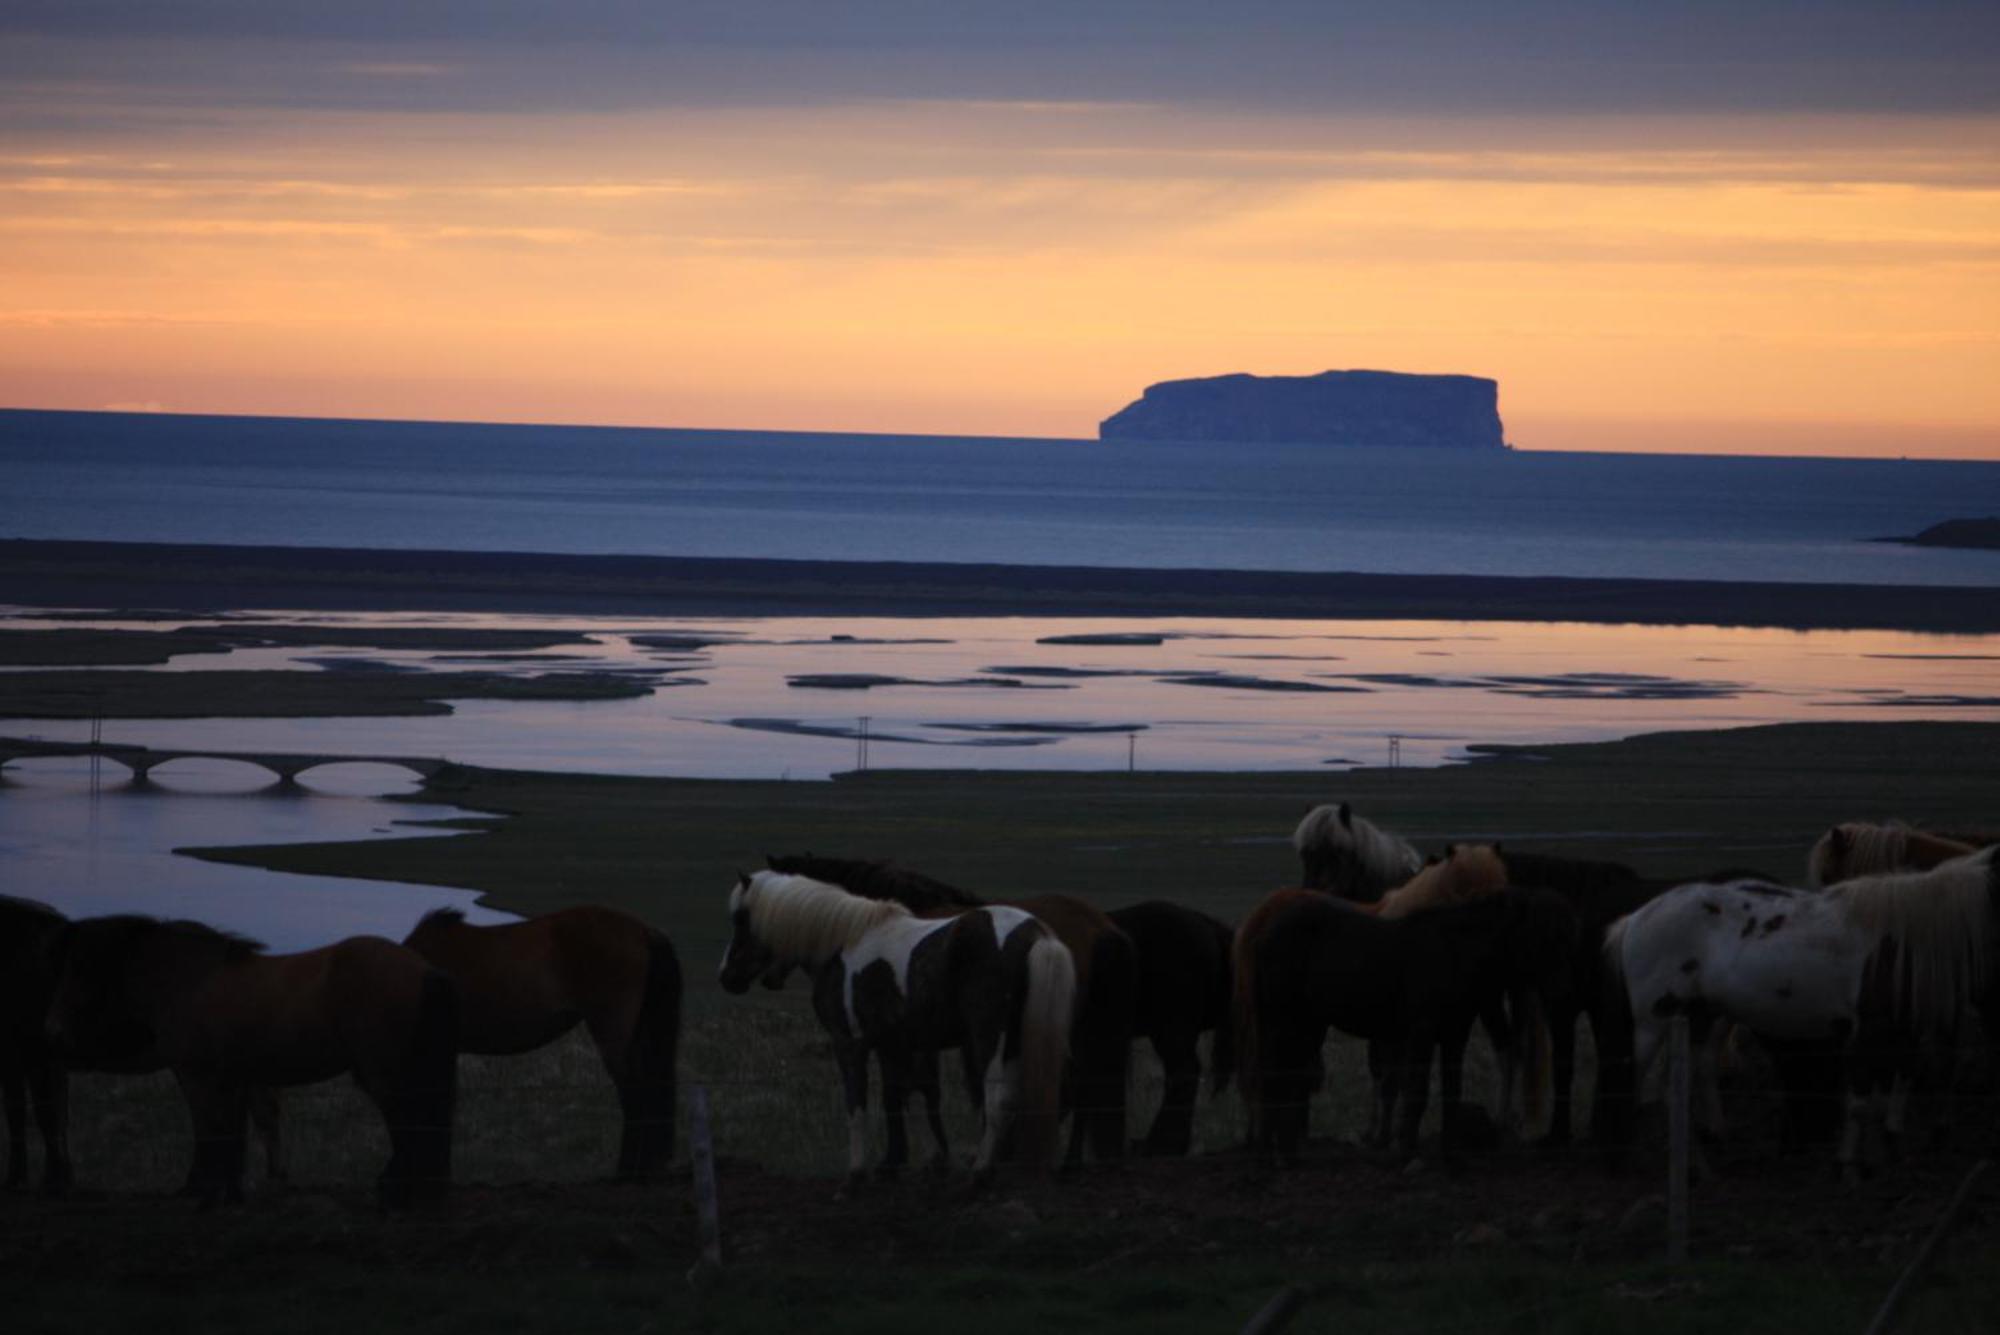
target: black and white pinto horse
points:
(993, 981)
(1884, 964)
(1345, 855)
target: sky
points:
(1745, 227)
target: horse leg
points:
(924, 1079)
(1507, 1044)
(853, 1060)
(14, 1092)
(1172, 1131)
(989, 1056)
(220, 1110)
(1562, 1055)
(48, 1089)
(646, 1044)
(264, 1116)
(1451, 1094)
(895, 1064)
(1382, 1101)
(1415, 1073)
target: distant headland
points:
(1331, 408)
(1975, 533)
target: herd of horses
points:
(1868, 982)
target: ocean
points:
(300, 482)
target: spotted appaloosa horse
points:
(992, 980)
(1882, 964)
(1345, 855)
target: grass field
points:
(535, 1239)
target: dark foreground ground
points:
(111, 574)
(1517, 1242)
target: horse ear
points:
(742, 878)
(771, 861)
(1496, 848)
(1450, 852)
(1346, 816)
(1837, 840)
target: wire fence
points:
(550, 1122)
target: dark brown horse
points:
(1107, 981)
(525, 984)
(28, 1070)
(225, 1017)
(1183, 993)
(1306, 961)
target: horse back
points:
(523, 984)
(304, 1017)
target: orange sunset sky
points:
(1721, 235)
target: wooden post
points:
(702, 1150)
(1892, 1306)
(1679, 1114)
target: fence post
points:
(1679, 1114)
(702, 1150)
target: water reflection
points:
(83, 838)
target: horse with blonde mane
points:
(1862, 848)
(993, 981)
(1883, 964)
(1345, 855)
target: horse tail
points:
(1046, 1014)
(1222, 1057)
(1531, 1034)
(1243, 967)
(651, 1062)
(429, 1095)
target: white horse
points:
(1881, 964)
(1351, 857)
(992, 980)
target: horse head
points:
(747, 958)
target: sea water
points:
(293, 482)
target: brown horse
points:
(224, 1017)
(525, 984)
(1107, 981)
(1858, 848)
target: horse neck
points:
(809, 927)
(1926, 850)
(1938, 923)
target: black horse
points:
(1306, 961)
(1107, 978)
(28, 1069)
(1183, 993)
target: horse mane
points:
(799, 918)
(1863, 848)
(1940, 924)
(1382, 855)
(1468, 872)
(879, 879)
(129, 929)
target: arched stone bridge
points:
(143, 760)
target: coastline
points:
(203, 578)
